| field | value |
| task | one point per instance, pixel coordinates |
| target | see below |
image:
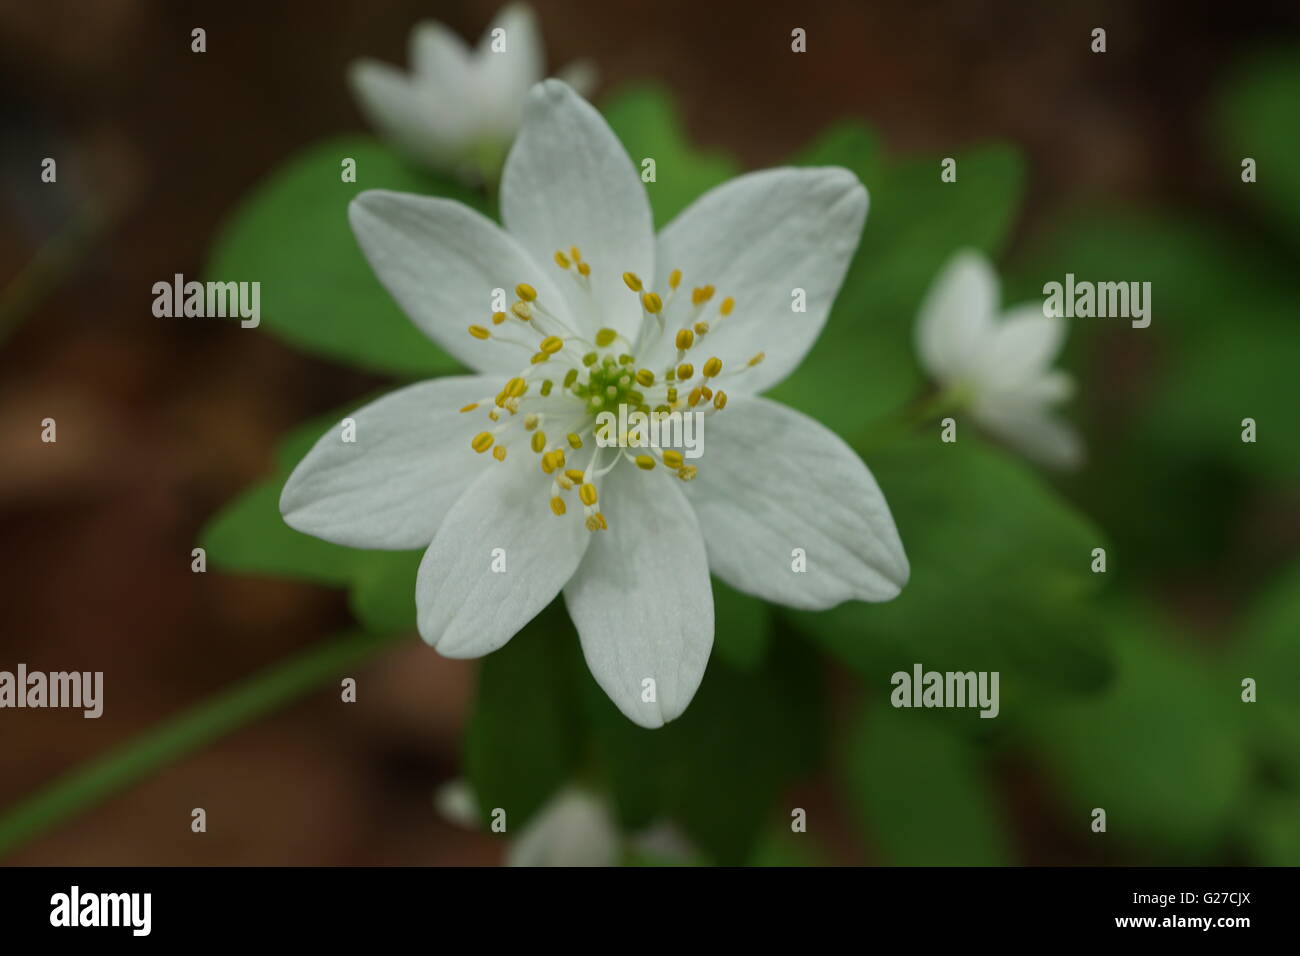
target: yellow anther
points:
(672, 396)
(712, 367)
(645, 462)
(701, 328)
(523, 310)
(590, 359)
(674, 279)
(694, 398)
(720, 400)
(575, 441)
(557, 505)
(574, 474)
(482, 442)
(479, 332)
(605, 336)
(516, 387)
(530, 421)
(633, 281)
(588, 494)
(701, 295)
(685, 372)
(525, 292)
(564, 482)
(570, 377)
(538, 441)
(687, 472)
(685, 339)
(498, 318)
(539, 358)
(547, 385)
(705, 392)
(499, 453)
(492, 414)
(584, 270)
(757, 359)
(574, 254)
(673, 459)
(651, 302)
(470, 407)
(596, 522)
(727, 305)
(561, 259)
(645, 378)
(551, 344)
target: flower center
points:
(557, 405)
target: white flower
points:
(498, 473)
(999, 368)
(574, 828)
(459, 109)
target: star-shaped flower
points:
(999, 368)
(507, 477)
(459, 109)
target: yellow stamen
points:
(727, 305)
(551, 344)
(575, 474)
(701, 328)
(757, 359)
(584, 270)
(561, 259)
(633, 281)
(522, 310)
(645, 462)
(685, 339)
(588, 494)
(605, 336)
(539, 358)
(538, 441)
(694, 397)
(574, 440)
(720, 401)
(596, 522)
(687, 473)
(674, 279)
(701, 295)
(557, 505)
(712, 367)
(685, 372)
(482, 442)
(479, 332)
(645, 378)
(574, 254)
(673, 459)
(651, 302)
(530, 421)
(498, 318)
(526, 292)
(499, 453)
(470, 407)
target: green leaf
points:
(525, 736)
(1000, 567)
(1161, 752)
(717, 770)
(742, 627)
(646, 122)
(383, 590)
(318, 292)
(921, 793)
(1272, 830)
(1257, 118)
(862, 367)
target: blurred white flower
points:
(458, 109)
(1000, 368)
(629, 534)
(574, 828)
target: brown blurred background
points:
(162, 421)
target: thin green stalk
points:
(229, 710)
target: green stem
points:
(229, 710)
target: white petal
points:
(756, 239)
(573, 829)
(466, 609)
(456, 803)
(504, 78)
(772, 480)
(1021, 348)
(441, 261)
(956, 317)
(641, 600)
(440, 59)
(569, 182)
(1033, 430)
(430, 130)
(581, 74)
(392, 487)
